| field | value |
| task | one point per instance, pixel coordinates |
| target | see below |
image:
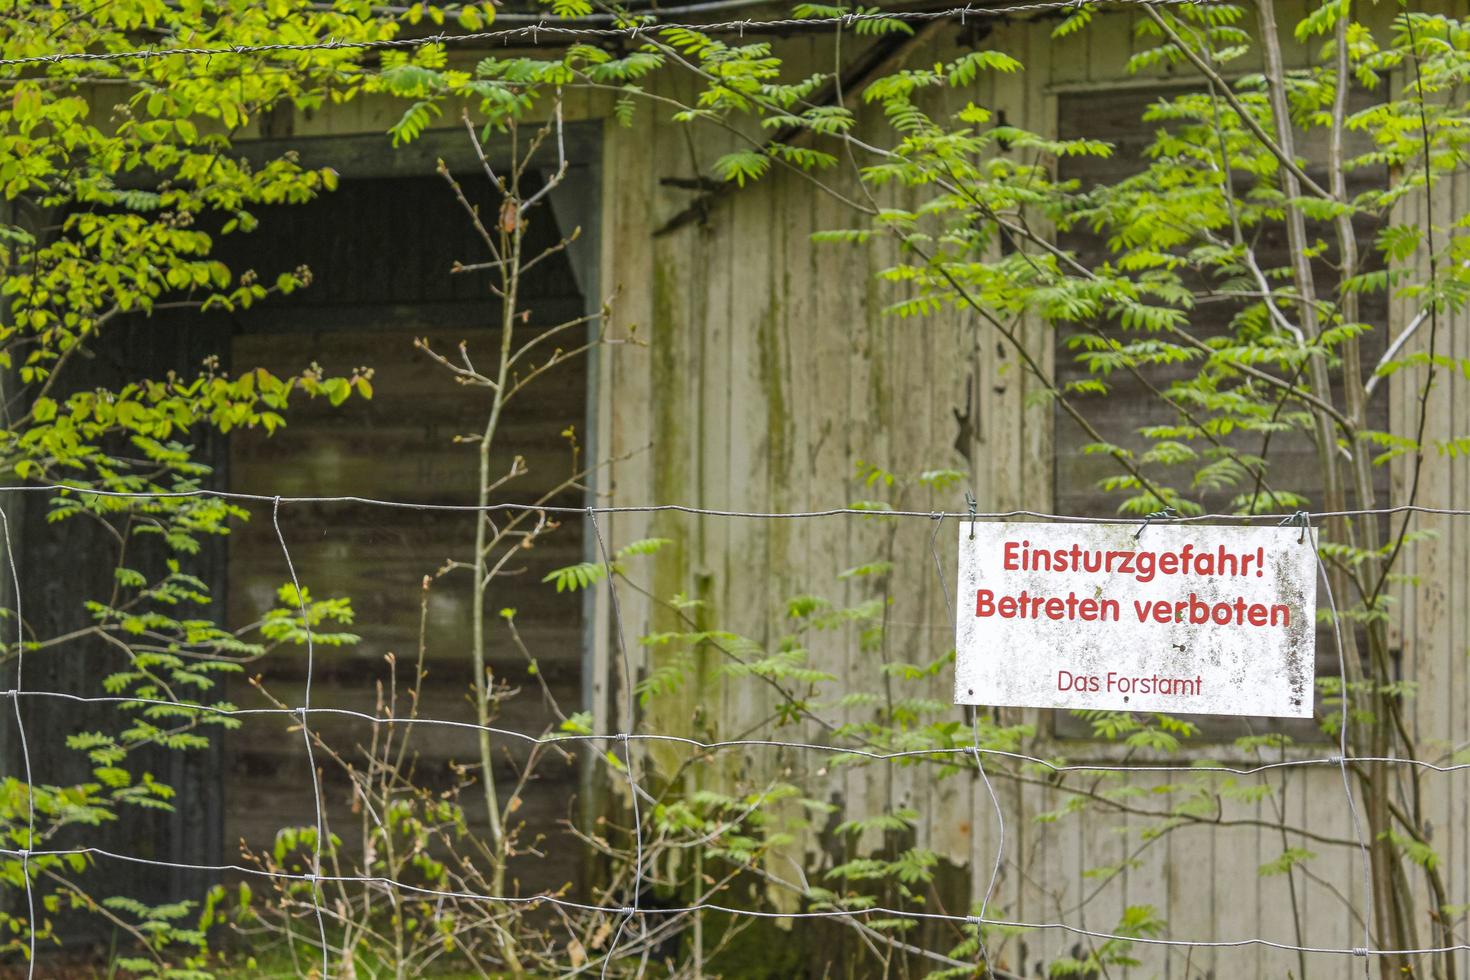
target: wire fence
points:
(627, 914)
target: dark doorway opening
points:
(380, 252)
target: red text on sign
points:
(1025, 606)
(1192, 610)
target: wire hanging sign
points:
(1194, 619)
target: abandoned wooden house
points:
(764, 372)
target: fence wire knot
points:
(1360, 950)
(1300, 519)
(1159, 515)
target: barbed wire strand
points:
(534, 32)
(625, 737)
(629, 724)
(25, 751)
(305, 710)
(1342, 744)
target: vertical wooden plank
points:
(1189, 907)
(1147, 883)
(1062, 857)
(1052, 852)
(753, 389)
(1023, 442)
(1236, 889)
(997, 378)
(793, 318)
(1052, 889)
(1456, 729)
(835, 269)
(674, 442)
(1437, 648)
(1275, 919)
(1069, 54)
(1033, 467)
(867, 428)
(1433, 638)
(1108, 37)
(624, 382)
(1298, 786)
(1334, 898)
(719, 442)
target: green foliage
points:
(587, 573)
(119, 180)
(742, 166)
(1289, 859)
(1138, 921)
(1177, 237)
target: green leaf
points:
(742, 166)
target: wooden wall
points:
(1434, 611)
(771, 370)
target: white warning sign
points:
(1181, 619)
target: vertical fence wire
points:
(629, 723)
(1000, 818)
(314, 879)
(25, 751)
(1342, 764)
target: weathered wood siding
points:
(771, 370)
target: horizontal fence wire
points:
(565, 30)
(1051, 765)
(627, 914)
(1156, 519)
(624, 910)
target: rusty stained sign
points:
(1180, 619)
